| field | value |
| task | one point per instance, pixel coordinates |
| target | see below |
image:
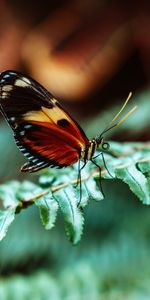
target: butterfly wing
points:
(46, 146)
(44, 132)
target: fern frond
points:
(129, 162)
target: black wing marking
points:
(31, 167)
(19, 95)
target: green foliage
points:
(112, 262)
(48, 210)
(6, 218)
(73, 218)
(128, 162)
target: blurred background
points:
(90, 54)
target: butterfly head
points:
(102, 143)
(88, 150)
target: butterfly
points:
(43, 130)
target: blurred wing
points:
(43, 130)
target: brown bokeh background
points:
(89, 54)
(80, 50)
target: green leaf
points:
(8, 194)
(136, 181)
(129, 162)
(6, 218)
(131, 165)
(73, 217)
(27, 190)
(48, 210)
(144, 167)
(93, 188)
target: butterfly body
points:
(44, 132)
(88, 150)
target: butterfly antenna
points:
(126, 116)
(98, 139)
(122, 108)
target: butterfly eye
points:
(105, 146)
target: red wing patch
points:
(47, 144)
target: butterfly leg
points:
(79, 173)
(79, 181)
(100, 174)
(105, 164)
(78, 178)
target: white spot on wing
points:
(4, 94)
(26, 80)
(27, 154)
(12, 119)
(7, 88)
(6, 76)
(22, 149)
(31, 157)
(22, 132)
(35, 160)
(21, 83)
(40, 163)
(27, 126)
